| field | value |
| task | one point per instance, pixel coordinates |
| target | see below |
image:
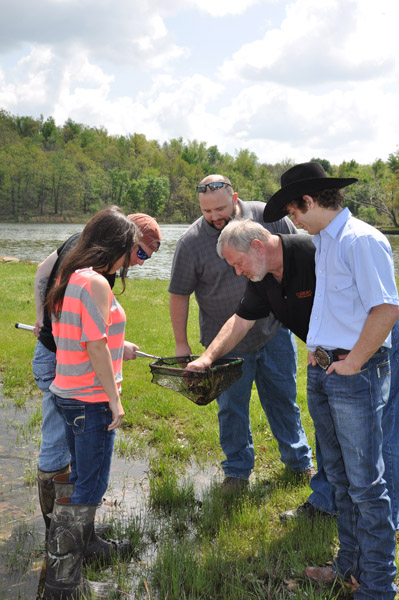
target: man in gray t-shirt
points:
(269, 350)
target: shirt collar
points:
(212, 231)
(337, 223)
(245, 210)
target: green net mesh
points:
(201, 387)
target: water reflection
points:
(35, 241)
(21, 523)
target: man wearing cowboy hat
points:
(282, 281)
(354, 309)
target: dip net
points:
(201, 387)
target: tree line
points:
(49, 172)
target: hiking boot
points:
(327, 575)
(320, 574)
(233, 485)
(304, 510)
(308, 473)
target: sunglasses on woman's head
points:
(214, 185)
(141, 254)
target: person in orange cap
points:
(54, 456)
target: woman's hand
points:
(129, 351)
(117, 413)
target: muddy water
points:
(21, 523)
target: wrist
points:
(355, 362)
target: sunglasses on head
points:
(141, 254)
(214, 185)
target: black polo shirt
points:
(291, 300)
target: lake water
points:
(35, 241)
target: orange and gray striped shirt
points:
(81, 322)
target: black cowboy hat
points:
(305, 178)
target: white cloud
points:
(30, 84)
(280, 122)
(322, 81)
(220, 8)
(321, 42)
(170, 108)
(122, 32)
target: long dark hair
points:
(106, 237)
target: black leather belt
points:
(324, 358)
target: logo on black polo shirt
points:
(304, 294)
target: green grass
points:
(192, 548)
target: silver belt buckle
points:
(322, 358)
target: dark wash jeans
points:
(347, 413)
(91, 446)
(322, 496)
(273, 368)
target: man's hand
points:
(129, 351)
(311, 358)
(344, 367)
(38, 326)
(200, 364)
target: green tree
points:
(71, 130)
(49, 128)
(246, 163)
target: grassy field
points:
(213, 549)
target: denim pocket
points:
(75, 416)
(44, 373)
(43, 366)
(99, 417)
(383, 370)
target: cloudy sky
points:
(286, 79)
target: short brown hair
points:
(329, 198)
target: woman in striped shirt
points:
(88, 328)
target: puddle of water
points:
(22, 528)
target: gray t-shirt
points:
(218, 290)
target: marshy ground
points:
(22, 544)
(189, 542)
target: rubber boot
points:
(105, 551)
(70, 529)
(64, 489)
(46, 491)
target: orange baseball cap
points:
(150, 231)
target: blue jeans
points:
(347, 413)
(322, 496)
(273, 368)
(91, 446)
(54, 450)
(390, 429)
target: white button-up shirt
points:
(354, 273)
